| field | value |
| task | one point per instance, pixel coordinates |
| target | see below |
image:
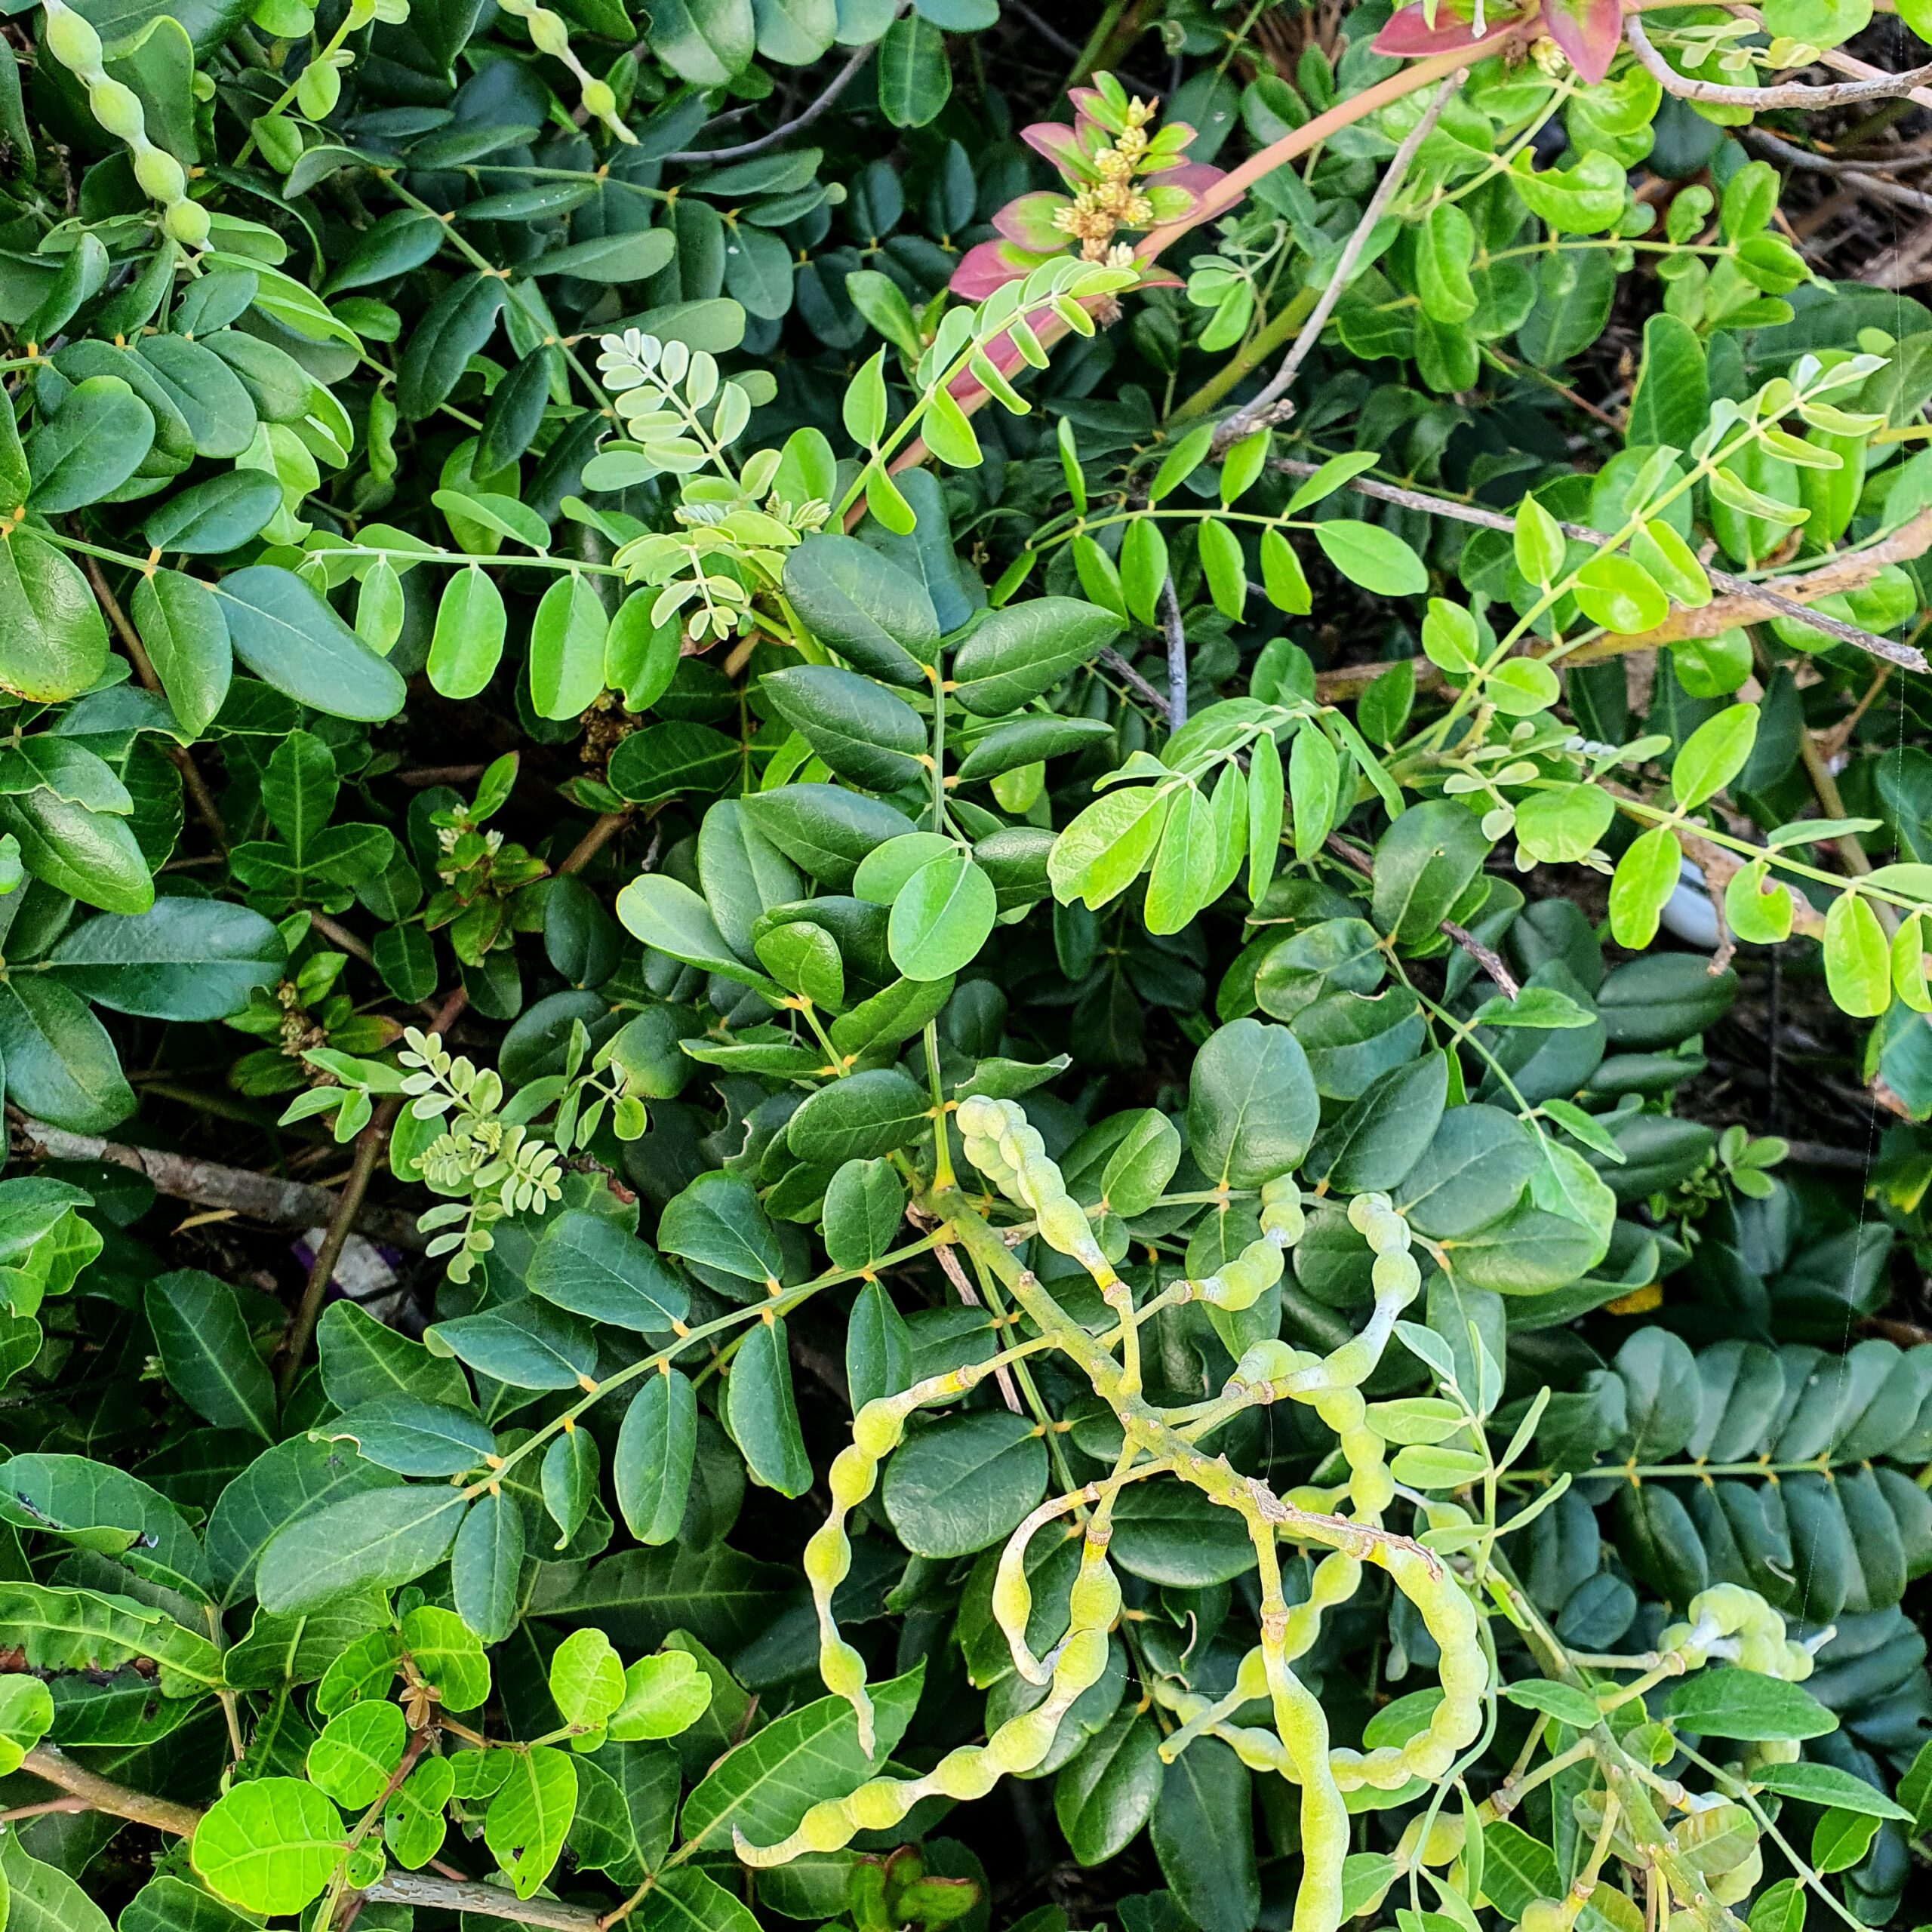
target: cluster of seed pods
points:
(550, 33)
(71, 39)
(1011, 1155)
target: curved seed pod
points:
(73, 41)
(549, 34)
(877, 1430)
(971, 1771)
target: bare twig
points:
(1272, 405)
(949, 1263)
(1176, 634)
(593, 842)
(49, 1762)
(1863, 174)
(369, 1145)
(339, 935)
(799, 122)
(321, 1271)
(88, 1789)
(398, 1887)
(1356, 860)
(278, 1204)
(1111, 660)
(1791, 94)
(1845, 573)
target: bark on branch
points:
(278, 1204)
(52, 1765)
(1790, 93)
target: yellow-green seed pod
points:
(877, 1428)
(600, 100)
(548, 33)
(825, 1828)
(162, 177)
(188, 223)
(117, 108)
(1064, 1225)
(1093, 1603)
(851, 1477)
(73, 41)
(1022, 1742)
(828, 1559)
(879, 1806)
(965, 1773)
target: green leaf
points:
(651, 1470)
(486, 1567)
(662, 1696)
(187, 639)
(1252, 1107)
(861, 731)
(567, 648)
(467, 644)
(863, 605)
(351, 1759)
(915, 78)
(530, 1816)
(586, 1678)
(269, 1845)
(590, 1265)
(53, 638)
(1374, 558)
(665, 913)
(1714, 755)
(1022, 651)
(208, 1354)
(1203, 1839)
(362, 1360)
(1563, 1702)
(289, 639)
(414, 1438)
(941, 917)
(182, 959)
(1720, 1703)
(528, 1343)
(764, 1786)
(1645, 878)
(964, 1484)
(860, 1118)
(1858, 965)
(377, 1540)
(1380, 1139)
(717, 1222)
(1826, 1785)
(452, 328)
(1618, 593)
(1424, 864)
(1105, 1792)
(761, 1413)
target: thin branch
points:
(369, 1146)
(1353, 856)
(264, 1198)
(338, 936)
(1272, 405)
(593, 842)
(1860, 173)
(301, 1327)
(50, 1762)
(398, 1888)
(1176, 634)
(1791, 94)
(1847, 573)
(840, 81)
(1111, 660)
(949, 1265)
